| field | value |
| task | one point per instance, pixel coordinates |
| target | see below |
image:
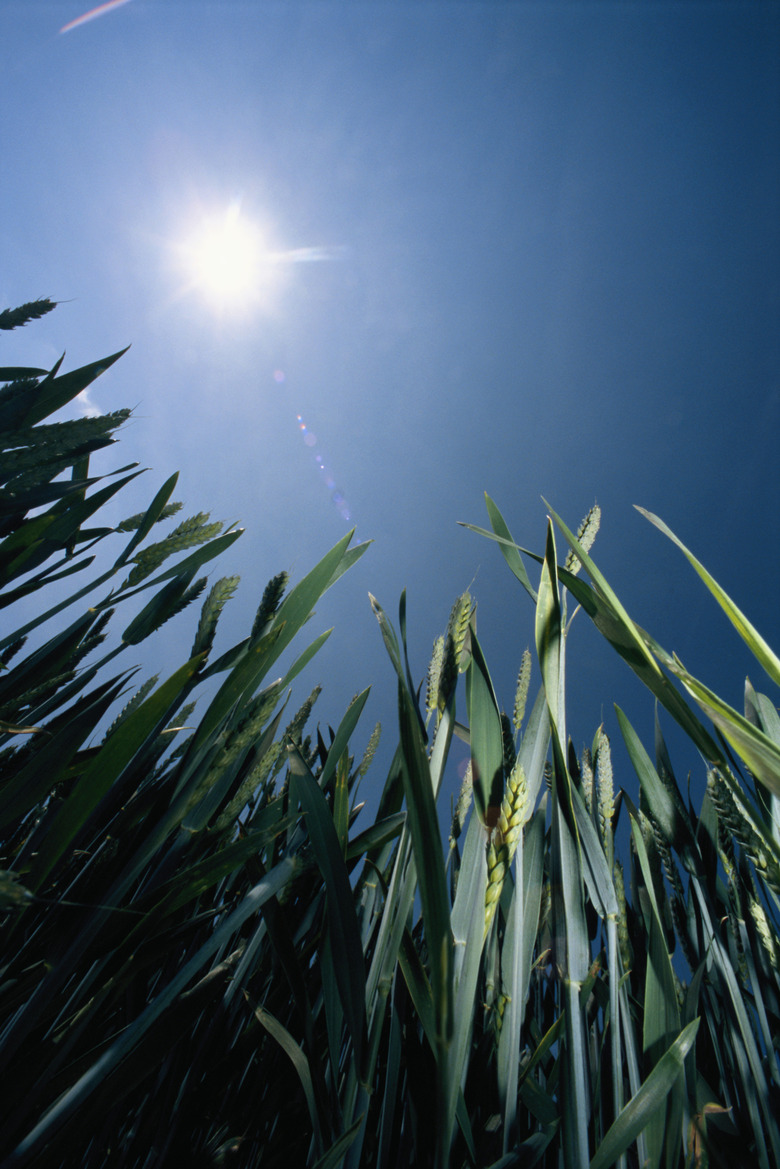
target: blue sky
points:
(549, 265)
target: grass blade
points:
(66, 1107)
(299, 1062)
(487, 744)
(757, 750)
(650, 1097)
(117, 752)
(347, 951)
(508, 547)
(760, 649)
(667, 811)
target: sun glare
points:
(227, 262)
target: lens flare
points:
(93, 14)
(311, 441)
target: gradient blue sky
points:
(555, 271)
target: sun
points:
(226, 261)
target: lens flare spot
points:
(310, 440)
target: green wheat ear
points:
(605, 794)
(33, 310)
(521, 692)
(251, 788)
(623, 937)
(294, 729)
(454, 647)
(190, 533)
(39, 453)
(465, 797)
(735, 814)
(370, 750)
(503, 840)
(459, 625)
(133, 522)
(434, 675)
(140, 695)
(586, 534)
(587, 778)
(272, 595)
(213, 605)
(765, 932)
(510, 755)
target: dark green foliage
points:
(131, 828)
(205, 961)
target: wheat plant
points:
(207, 959)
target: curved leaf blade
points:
(651, 1096)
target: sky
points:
(531, 249)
